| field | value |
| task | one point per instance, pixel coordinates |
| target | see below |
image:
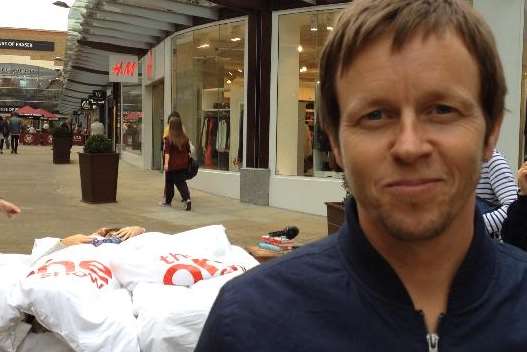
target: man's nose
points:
(410, 142)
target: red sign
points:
(150, 65)
(124, 68)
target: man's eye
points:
(442, 109)
(374, 115)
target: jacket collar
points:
(472, 279)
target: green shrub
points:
(98, 144)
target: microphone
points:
(289, 232)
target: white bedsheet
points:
(87, 307)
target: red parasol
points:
(28, 111)
(47, 115)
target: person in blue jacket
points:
(412, 98)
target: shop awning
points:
(99, 28)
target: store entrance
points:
(158, 91)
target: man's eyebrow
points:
(451, 94)
(364, 102)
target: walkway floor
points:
(49, 196)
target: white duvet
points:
(150, 293)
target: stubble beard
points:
(415, 222)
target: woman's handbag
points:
(192, 168)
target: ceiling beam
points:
(73, 98)
(96, 52)
(120, 34)
(89, 70)
(174, 6)
(113, 49)
(77, 91)
(123, 27)
(81, 87)
(87, 84)
(116, 41)
(89, 77)
(140, 21)
(245, 5)
(91, 65)
(150, 14)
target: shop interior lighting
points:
(229, 81)
(239, 70)
(329, 28)
(230, 73)
(303, 69)
(300, 48)
(202, 46)
(236, 39)
(314, 26)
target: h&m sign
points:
(123, 68)
(18, 44)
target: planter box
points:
(98, 173)
(61, 150)
(335, 215)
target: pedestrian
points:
(96, 127)
(176, 154)
(412, 98)
(15, 129)
(165, 136)
(496, 190)
(4, 134)
(9, 208)
(514, 230)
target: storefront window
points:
(208, 91)
(132, 117)
(302, 148)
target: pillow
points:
(182, 259)
(73, 293)
(170, 318)
(13, 267)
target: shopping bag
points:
(192, 168)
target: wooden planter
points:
(99, 177)
(335, 214)
(61, 149)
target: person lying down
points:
(116, 234)
(102, 235)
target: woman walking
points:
(176, 154)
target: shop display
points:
(214, 137)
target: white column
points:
(167, 62)
(147, 121)
(506, 19)
(287, 126)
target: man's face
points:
(412, 134)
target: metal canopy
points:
(99, 28)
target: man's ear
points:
(492, 139)
(335, 148)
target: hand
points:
(76, 239)
(522, 179)
(9, 208)
(104, 231)
(127, 232)
(165, 167)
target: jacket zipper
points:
(433, 342)
(432, 339)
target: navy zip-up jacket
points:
(339, 294)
